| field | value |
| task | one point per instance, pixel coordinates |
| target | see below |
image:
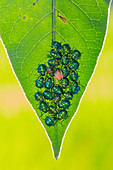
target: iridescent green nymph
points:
(64, 83)
(75, 88)
(49, 83)
(39, 96)
(43, 107)
(62, 115)
(57, 89)
(53, 62)
(65, 72)
(65, 60)
(40, 82)
(66, 48)
(53, 109)
(68, 95)
(56, 46)
(64, 104)
(74, 65)
(74, 76)
(50, 121)
(76, 55)
(42, 69)
(48, 95)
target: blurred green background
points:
(88, 144)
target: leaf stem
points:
(53, 20)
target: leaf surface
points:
(27, 29)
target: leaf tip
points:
(56, 158)
(56, 155)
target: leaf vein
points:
(32, 28)
(33, 49)
(84, 14)
(18, 20)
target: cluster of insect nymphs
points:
(57, 83)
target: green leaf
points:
(27, 29)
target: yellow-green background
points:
(88, 144)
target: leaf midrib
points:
(53, 19)
(53, 39)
